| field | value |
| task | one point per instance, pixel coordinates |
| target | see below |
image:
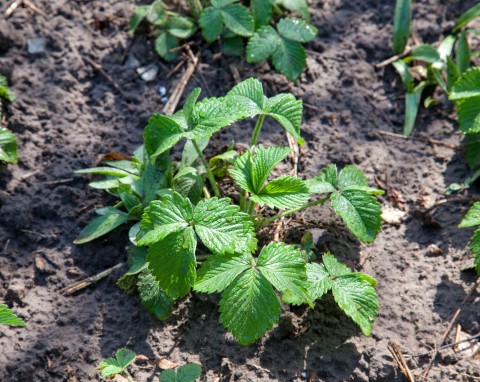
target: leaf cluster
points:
(175, 223)
(231, 22)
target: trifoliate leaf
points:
(467, 86)
(7, 317)
(289, 58)
(223, 228)
(186, 373)
(181, 27)
(296, 30)
(252, 169)
(164, 44)
(237, 19)
(262, 12)
(8, 146)
(284, 267)
(172, 262)
(153, 297)
(319, 281)
(210, 115)
(161, 134)
(162, 217)
(283, 192)
(358, 299)
(360, 211)
(288, 112)
(102, 225)
(249, 307)
(211, 23)
(218, 272)
(112, 366)
(472, 218)
(262, 44)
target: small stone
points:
(132, 62)
(36, 45)
(434, 250)
(148, 73)
(162, 90)
(164, 100)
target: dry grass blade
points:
(398, 356)
(81, 284)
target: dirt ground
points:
(67, 114)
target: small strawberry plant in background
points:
(262, 22)
(179, 220)
(7, 317)
(8, 141)
(472, 219)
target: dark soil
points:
(67, 114)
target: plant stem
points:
(261, 223)
(195, 8)
(256, 131)
(210, 175)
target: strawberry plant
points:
(230, 22)
(176, 226)
(8, 141)
(472, 219)
(7, 317)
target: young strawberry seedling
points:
(175, 225)
(472, 219)
(230, 22)
(8, 141)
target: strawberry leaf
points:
(161, 134)
(283, 192)
(296, 30)
(7, 317)
(112, 366)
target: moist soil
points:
(67, 114)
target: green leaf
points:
(288, 112)
(468, 112)
(452, 73)
(425, 53)
(352, 178)
(189, 154)
(137, 260)
(190, 104)
(153, 297)
(360, 211)
(249, 307)
(283, 192)
(161, 134)
(162, 217)
(220, 163)
(463, 54)
(333, 266)
(289, 58)
(104, 171)
(325, 182)
(468, 85)
(412, 102)
(181, 27)
(211, 23)
(319, 281)
(475, 248)
(8, 146)
(237, 19)
(137, 17)
(250, 94)
(112, 366)
(296, 30)
(403, 70)
(156, 13)
(187, 182)
(223, 228)
(5, 91)
(445, 47)
(262, 11)
(401, 25)
(186, 373)
(101, 226)
(472, 150)
(172, 262)
(297, 6)
(358, 299)
(7, 317)
(466, 17)
(472, 218)
(218, 272)
(262, 44)
(164, 44)
(285, 269)
(212, 114)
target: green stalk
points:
(210, 175)
(256, 131)
(259, 224)
(195, 8)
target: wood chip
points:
(165, 364)
(393, 216)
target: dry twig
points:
(398, 356)
(393, 58)
(81, 284)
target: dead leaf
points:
(392, 215)
(141, 359)
(164, 364)
(433, 249)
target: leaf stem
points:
(256, 131)
(210, 175)
(263, 222)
